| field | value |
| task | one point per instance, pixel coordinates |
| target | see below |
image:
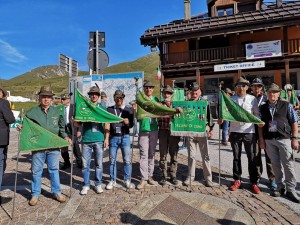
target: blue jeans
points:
(3, 157)
(225, 129)
(115, 143)
(97, 149)
(51, 157)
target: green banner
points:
(86, 111)
(33, 137)
(292, 99)
(141, 114)
(192, 122)
(178, 95)
(231, 111)
(153, 107)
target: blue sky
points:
(34, 32)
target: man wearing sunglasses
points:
(119, 138)
(244, 133)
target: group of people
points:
(278, 137)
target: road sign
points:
(102, 58)
(68, 64)
(93, 40)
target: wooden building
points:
(234, 38)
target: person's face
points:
(103, 98)
(45, 101)
(273, 96)
(195, 94)
(241, 89)
(289, 93)
(148, 91)
(1, 94)
(256, 89)
(65, 101)
(119, 100)
(94, 97)
(167, 96)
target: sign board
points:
(239, 66)
(109, 83)
(102, 58)
(93, 40)
(68, 64)
(263, 49)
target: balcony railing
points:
(219, 54)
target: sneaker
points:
(255, 189)
(128, 184)
(34, 200)
(162, 181)
(151, 181)
(273, 185)
(174, 180)
(84, 190)
(292, 195)
(209, 183)
(235, 186)
(110, 185)
(59, 197)
(98, 189)
(142, 184)
(278, 192)
(187, 181)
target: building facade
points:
(234, 38)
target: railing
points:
(294, 45)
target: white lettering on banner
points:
(239, 66)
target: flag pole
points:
(219, 106)
(133, 133)
(17, 168)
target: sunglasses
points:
(63, 99)
(149, 87)
(241, 85)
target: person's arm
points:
(8, 115)
(294, 138)
(106, 134)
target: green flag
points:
(153, 107)
(141, 114)
(34, 137)
(292, 100)
(192, 121)
(231, 111)
(86, 111)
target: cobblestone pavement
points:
(155, 204)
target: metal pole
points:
(97, 60)
(17, 168)
(220, 88)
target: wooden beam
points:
(287, 72)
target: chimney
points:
(187, 9)
(279, 3)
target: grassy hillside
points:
(29, 83)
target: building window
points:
(225, 11)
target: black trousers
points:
(259, 165)
(76, 152)
(249, 141)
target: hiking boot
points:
(273, 185)
(99, 189)
(65, 166)
(255, 189)
(59, 197)
(128, 184)
(209, 183)
(278, 192)
(292, 195)
(151, 181)
(235, 186)
(111, 185)
(34, 200)
(163, 181)
(174, 180)
(142, 184)
(84, 190)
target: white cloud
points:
(10, 53)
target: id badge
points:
(273, 126)
(118, 130)
(95, 127)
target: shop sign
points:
(263, 49)
(239, 66)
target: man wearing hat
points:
(167, 143)
(290, 96)
(103, 99)
(93, 141)
(244, 133)
(257, 87)
(279, 137)
(119, 138)
(50, 118)
(67, 112)
(201, 142)
(148, 135)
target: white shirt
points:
(67, 112)
(250, 104)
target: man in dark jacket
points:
(6, 118)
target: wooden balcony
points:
(219, 54)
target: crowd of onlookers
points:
(277, 137)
